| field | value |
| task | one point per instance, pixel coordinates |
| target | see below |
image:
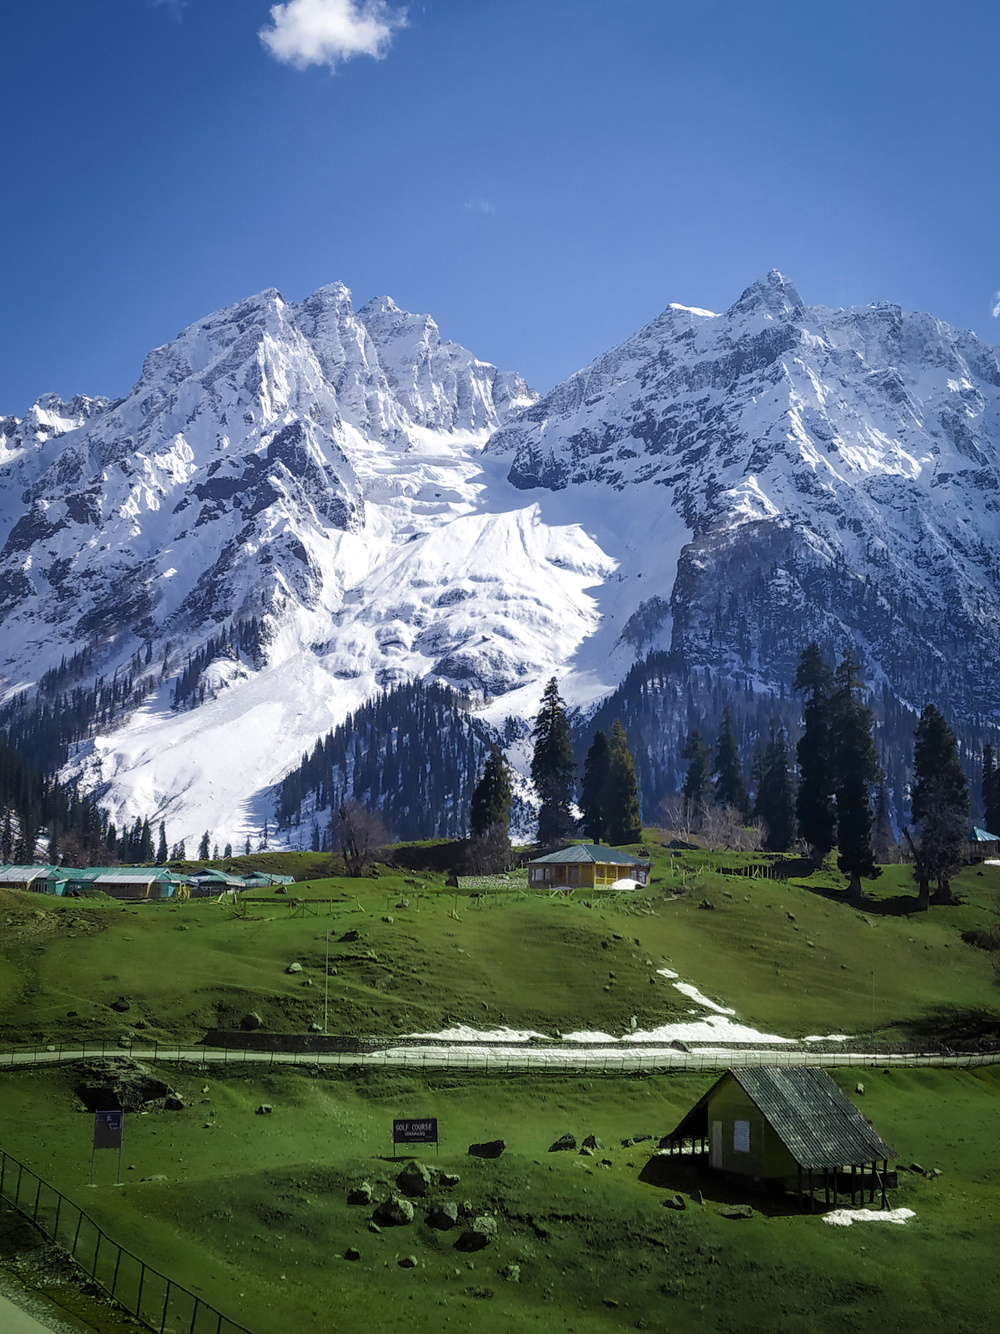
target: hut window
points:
(741, 1136)
(574, 875)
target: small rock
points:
(394, 1212)
(374, 1227)
(251, 1021)
(414, 1179)
(511, 1273)
(491, 1148)
(173, 1103)
(360, 1194)
(915, 1167)
(609, 1302)
(586, 1151)
(480, 1234)
(859, 1088)
(565, 1143)
(736, 1211)
(294, 968)
(697, 1197)
(443, 1217)
(448, 1180)
(408, 1262)
(352, 1253)
(388, 921)
(315, 1028)
(675, 1202)
(122, 1004)
(592, 1142)
(265, 1109)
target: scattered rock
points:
(592, 1142)
(173, 1103)
(117, 1083)
(294, 968)
(251, 1021)
(859, 1088)
(349, 937)
(352, 1253)
(122, 1004)
(315, 1028)
(736, 1211)
(492, 1148)
(675, 1202)
(483, 1294)
(480, 1234)
(915, 1167)
(265, 1109)
(408, 1262)
(586, 1151)
(708, 907)
(374, 1227)
(448, 1180)
(609, 1302)
(394, 1212)
(443, 1216)
(511, 1273)
(697, 1197)
(360, 1194)
(414, 1179)
(565, 1143)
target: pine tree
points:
(886, 848)
(246, 847)
(939, 804)
(730, 785)
(621, 801)
(594, 788)
(203, 847)
(991, 791)
(815, 809)
(776, 793)
(553, 767)
(492, 797)
(855, 771)
(229, 851)
(162, 855)
(698, 776)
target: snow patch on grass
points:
(845, 1217)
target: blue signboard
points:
(109, 1129)
(424, 1131)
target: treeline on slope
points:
(31, 802)
(43, 724)
(414, 754)
(662, 700)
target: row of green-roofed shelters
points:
(130, 882)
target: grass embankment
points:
(253, 1210)
(787, 956)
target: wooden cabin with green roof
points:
(789, 1127)
(587, 866)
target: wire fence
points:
(497, 1057)
(160, 1302)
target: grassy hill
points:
(252, 1210)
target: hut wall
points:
(740, 1139)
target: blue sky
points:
(542, 176)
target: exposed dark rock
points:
(564, 1144)
(492, 1148)
(394, 1212)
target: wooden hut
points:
(787, 1127)
(587, 865)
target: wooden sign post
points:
(109, 1131)
(415, 1132)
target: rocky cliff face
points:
(375, 505)
(838, 472)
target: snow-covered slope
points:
(839, 472)
(389, 507)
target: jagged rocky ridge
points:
(383, 507)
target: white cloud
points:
(480, 206)
(323, 32)
(996, 305)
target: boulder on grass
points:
(491, 1148)
(565, 1143)
(480, 1234)
(414, 1179)
(394, 1212)
(443, 1217)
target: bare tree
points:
(360, 834)
(724, 827)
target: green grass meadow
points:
(251, 1210)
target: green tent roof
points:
(589, 852)
(983, 836)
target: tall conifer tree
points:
(855, 771)
(817, 815)
(991, 791)
(553, 767)
(621, 802)
(491, 798)
(730, 785)
(698, 776)
(593, 790)
(939, 804)
(776, 793)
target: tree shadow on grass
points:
(684, 1174)
(958, 1026)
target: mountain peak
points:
(773, 293)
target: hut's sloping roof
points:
(818, 1125)
(590, 852)
(978, 835)
(19, 875)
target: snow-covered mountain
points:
(387, 507)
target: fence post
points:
(38, 1196)
(114, 1281)
(93, 1267)
(166, 1300)
(138, 1298)
(194, 1315)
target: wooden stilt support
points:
(800, 1187)
(885, 1172)
(826, 1186)
(812, 1194)
(853, 1187)
(871, 1187)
